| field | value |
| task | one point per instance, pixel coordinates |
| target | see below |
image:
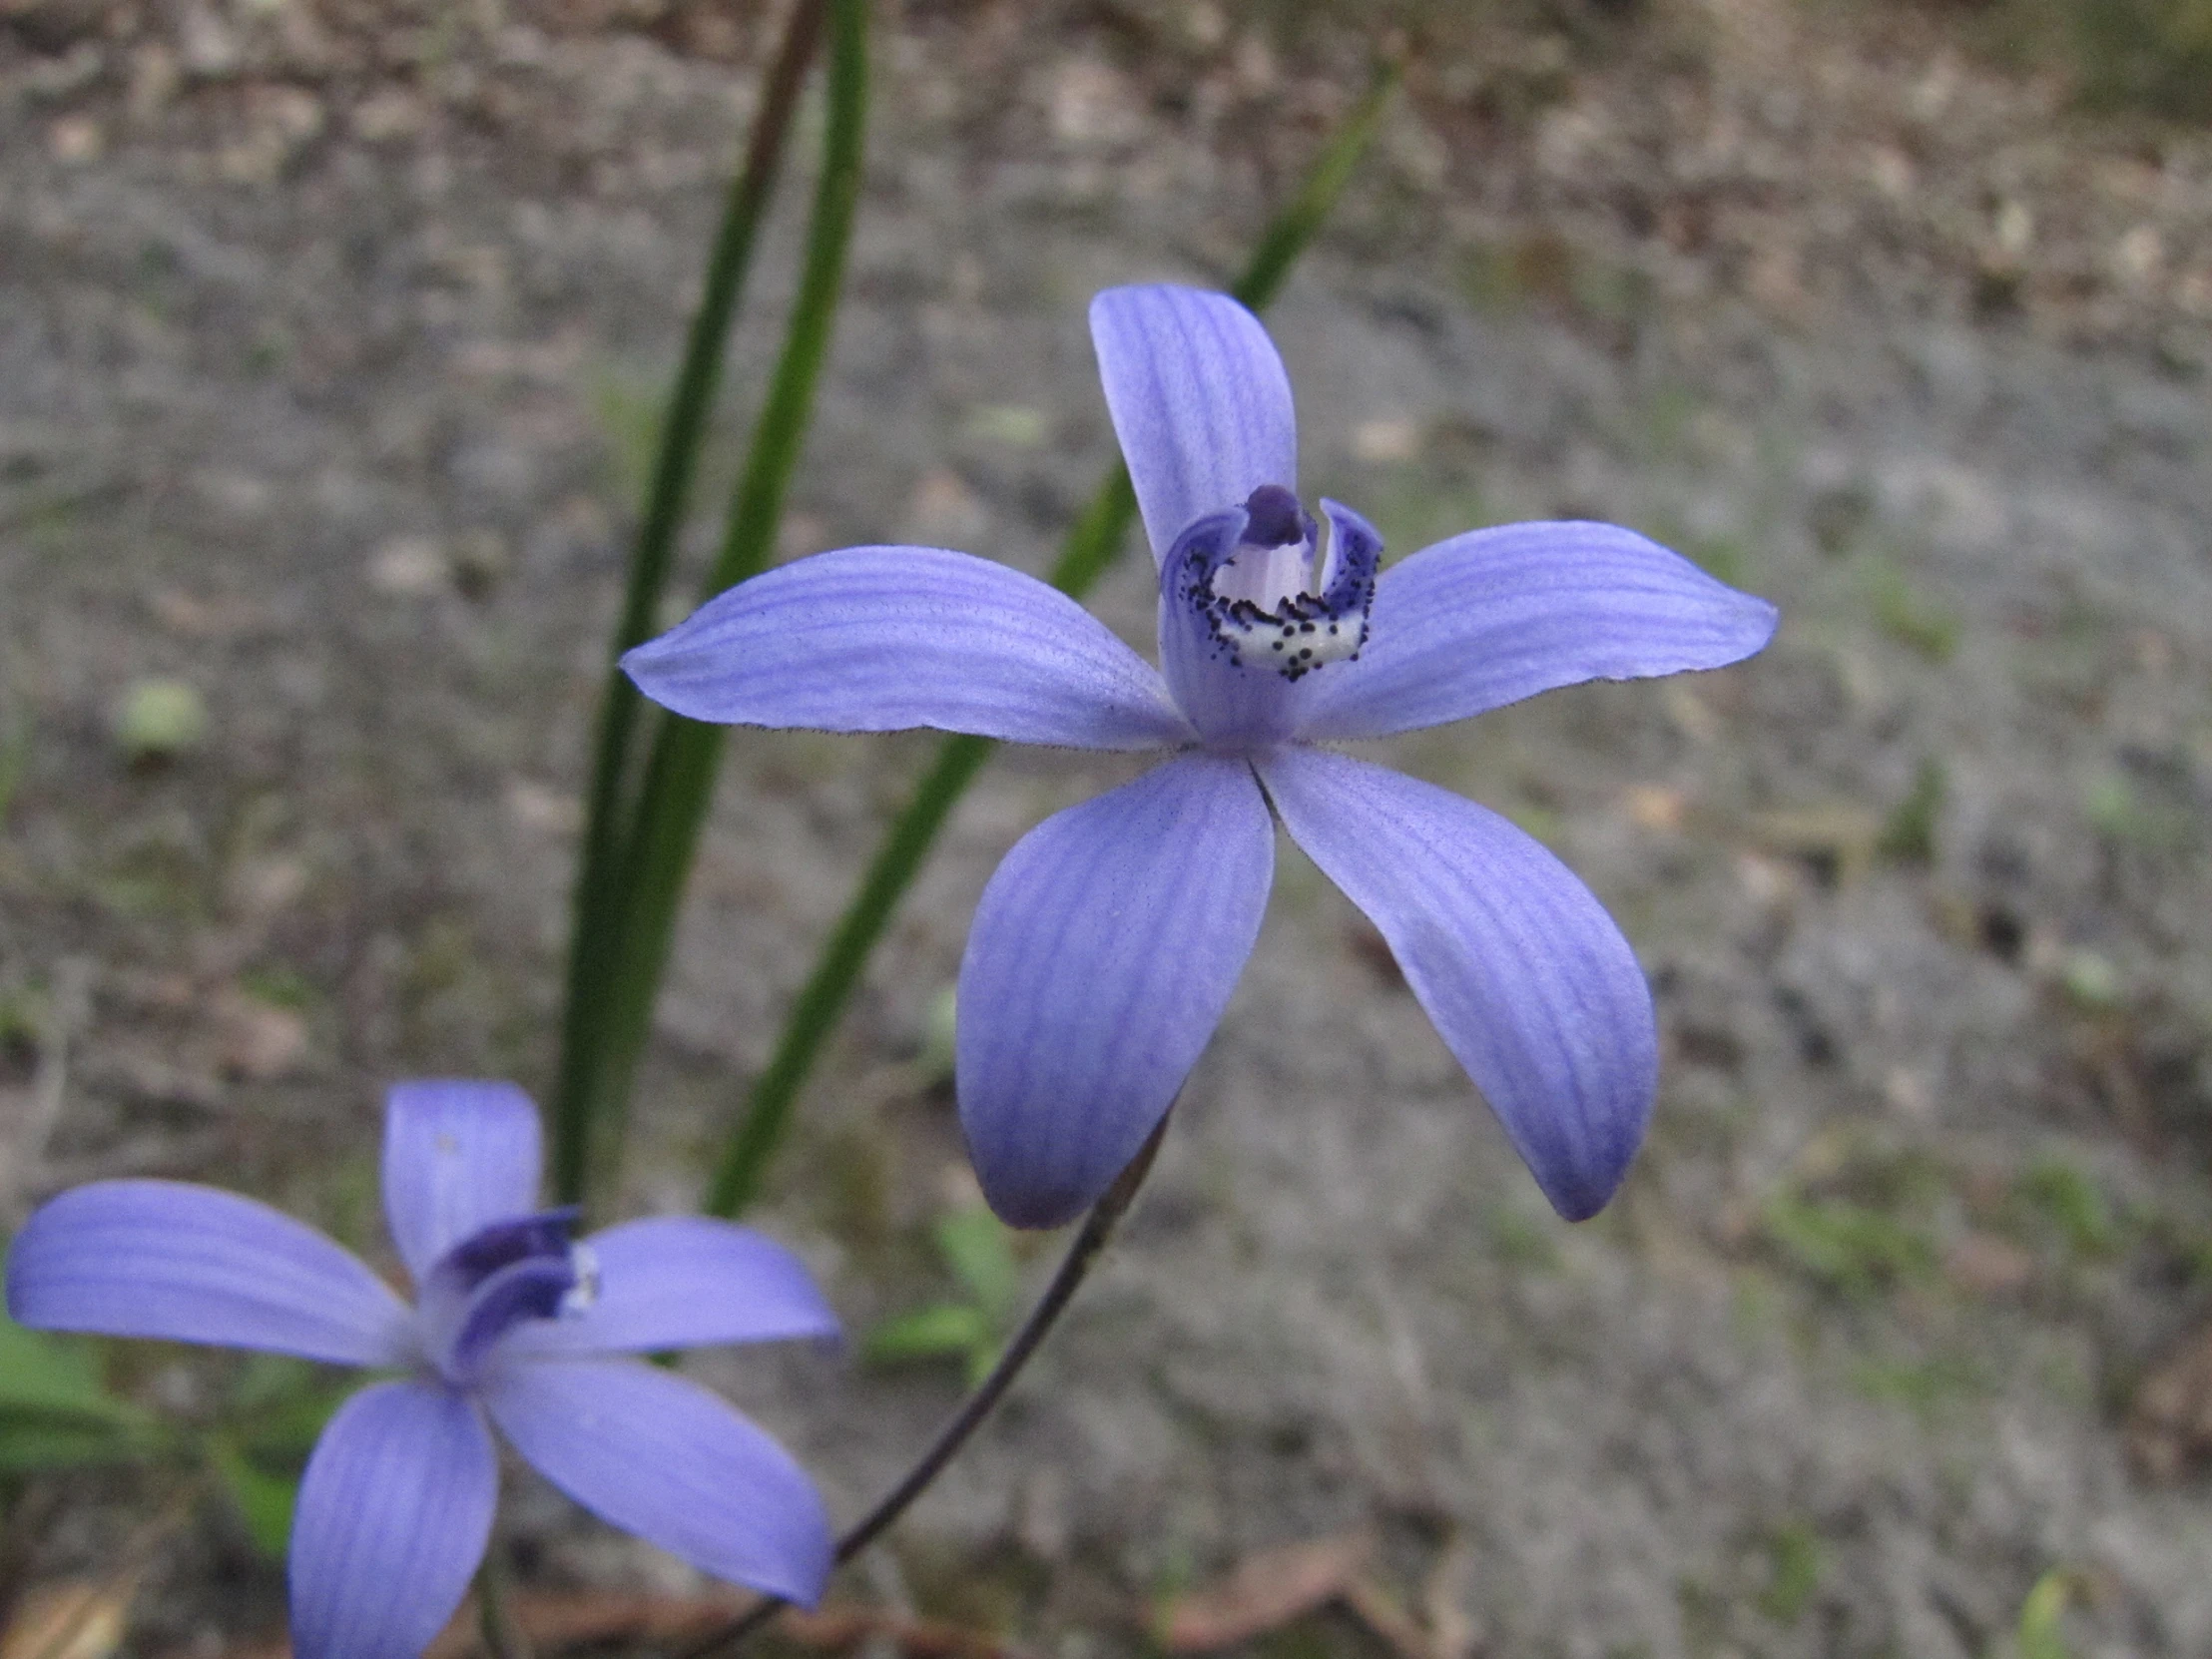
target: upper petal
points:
(878, 639)
(683, 1281)
(1200, 402)
(661, 1456)
(1494, 616)
(459, 1154)
(1100, 960)
(394, 1512)
(1529, 981)
(192, 1264)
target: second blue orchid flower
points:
(514, 1322)
(1107, 945)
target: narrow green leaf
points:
(682, 431)
(2042, 1633)
(948, 1330)
(53, 1375)
(627, 919)
(974, 1244)
(1092, 542)
(34, 1440)
(265, 1501)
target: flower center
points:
(1279, 599)
(525, 1268)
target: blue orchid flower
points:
(512, 1321)
(1106, 945)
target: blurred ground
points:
(330, 334)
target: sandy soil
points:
(329, 342)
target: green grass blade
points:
(1091, 545)
(683, 436)
(1285, 237)
(680, 773)
(821, 1000)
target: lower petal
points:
(1530, 983)
(193, 1263)
(394, 1512)
(1101, 959)
(658, 1455)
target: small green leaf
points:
(46, 1375)
(1909, 833)
(934, 1063)
(947, 1331)
(982, 1359)
(1794, 1572)
(2040, 1636)
(54, 1412)
(974, 1244)
(265, 1501)
(32, 1440)
(1850, 1248)
(160, 720)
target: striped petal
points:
(1200, 402)
(192, 1264)
(394, 1512)
(684, 1282)
(1102, 955)
(458, 1155)
(1494, 616)
(1529, 981)
(659, 1455)
(881, 639)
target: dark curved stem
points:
(1082, 1255)
(495, 1615)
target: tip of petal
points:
(1580, 1195)
(1017, 1204)
(1580, 1174)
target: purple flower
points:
(1107, 943)
(512, 1321)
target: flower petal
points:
(1200, 402)
(394, 1512)
(1529, 981)
(192, 1264)
(879, 639)
(459, 1154)
(659, 1455)
(1101, 959)
(683, 1281)
(1494, 616)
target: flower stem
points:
(1082, 1255)
(683, 436)
(1092, 541)
(656, 854)
(495, 1616)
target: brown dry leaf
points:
(2169, 1426)
(554, 1620)
(1266, 1591)
(1378, 1610)
(75, 1619)
(1451, 1634)
(255, 1041)
(1841, 838)
(1655, 806)
(1983, 1263)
